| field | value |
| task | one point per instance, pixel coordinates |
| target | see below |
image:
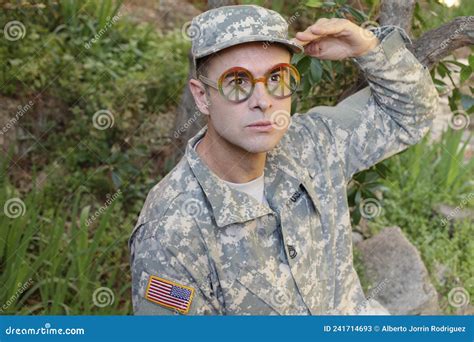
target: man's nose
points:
(260, 97)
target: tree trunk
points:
(187, 123)
(397, 12)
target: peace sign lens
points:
(237, 84)
(282, 81)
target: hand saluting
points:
(336, 39)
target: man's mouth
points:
(261, 123)
(261, 126)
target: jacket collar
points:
(229, 205)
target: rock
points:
(399, 279)
(357, 237)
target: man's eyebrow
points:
(261, 73)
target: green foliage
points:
(132, 71)
(62, 259)
(129, 69)
(420, 178)
(323, 81)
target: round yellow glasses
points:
(237, 83)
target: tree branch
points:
(436, 44)
(432, 46)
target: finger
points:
(328, 48)
(335, 28)
(307, 36)
(313, 49)
(300, 42)
(328, 28)
(332, 49)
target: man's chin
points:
(260, 146)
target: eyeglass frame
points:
(254, 81)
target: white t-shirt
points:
(254, 188)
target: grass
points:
(62, 259)
(52, 261)
(421, 177)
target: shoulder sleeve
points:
(175, 260)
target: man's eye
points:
(275, 77)
(238, 81)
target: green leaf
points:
(359, 16)
(15, 61)
(356, 216)
(304, 65)
(442, 69)
(465, 73)
(358, 198)
(297, 58)
(329, 4)
(116, 179)
(459, 64)
(306, 85)
(314, 3)
(316, 70)
(277, 5)
(467, 101)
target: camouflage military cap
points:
(226, 26)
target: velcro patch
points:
(169, 294)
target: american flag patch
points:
(169, 294)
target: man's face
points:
(231, 120)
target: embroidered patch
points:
(169, 294)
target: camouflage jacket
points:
(293, 257)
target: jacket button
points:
(292, 251)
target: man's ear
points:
(200, 95)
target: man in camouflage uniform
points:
(226, 252)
